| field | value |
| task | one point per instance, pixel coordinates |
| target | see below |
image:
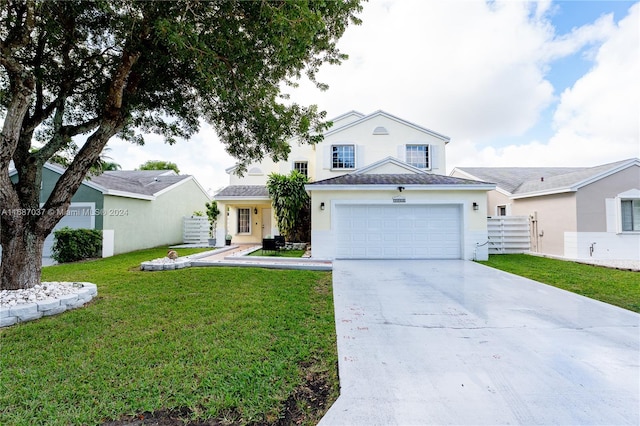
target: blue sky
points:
(513, 83)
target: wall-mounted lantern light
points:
(322, 205)
(401, 188)
(255, 210)
(475, 206)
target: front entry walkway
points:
(236, 256)
(455, 342)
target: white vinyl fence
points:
(195, 229)
(508, 234)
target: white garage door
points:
(398, 231)
(76, 217)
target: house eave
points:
(125, 194)
(543, 193)
(241, 198)
(394, 187)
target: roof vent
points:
(380, 131)
(542, 179)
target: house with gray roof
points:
(378, 191)
(574, 212)
(135, 209)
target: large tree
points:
(159, 165)
(91, 70)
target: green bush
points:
(70, 245)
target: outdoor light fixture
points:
(475, 206)
(401, 188)
(255, 210)
(322, 205)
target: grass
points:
(617, 287)
(224, 343)
(280, 253)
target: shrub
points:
(70, 245)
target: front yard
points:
(620, 288)
(217, 344)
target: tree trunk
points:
(21, 265)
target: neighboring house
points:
(378, 191)
(134, 209)
(574, 212)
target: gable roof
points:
(138, 183)
(243, 191)
(389, 160)
(522, 182)
(381, 113)
(397, 179)
(408, 181)
(142, 184)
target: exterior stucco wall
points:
(590, 199)
(139, 224)
(228, 222)
(474, 222)
(371, 148)
(495, 199)
(556, 214)
(85, 194)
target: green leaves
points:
(290, 203)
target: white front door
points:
(400, 232)
(266, 222)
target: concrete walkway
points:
(236, 255)
(455, 342)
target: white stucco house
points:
(378, 190)
(574, 212)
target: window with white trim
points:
(244, 221)
(301, 167)
(630, 210)
(343, 157)
(418, 156)
(501, 210)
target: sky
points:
(512, 83)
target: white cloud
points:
(473, 70)
(596, 121)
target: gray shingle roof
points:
(395, 179)
(243, 191)
(522, 180)
(144, 182)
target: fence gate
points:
(508, 234)
(195, 229)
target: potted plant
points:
(212, 215)
(228, 239)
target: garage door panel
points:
(398, 231)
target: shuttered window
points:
(418, 156)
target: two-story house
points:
(378, 190)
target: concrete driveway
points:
(455, 342)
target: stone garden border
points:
(23, 312)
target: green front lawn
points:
(211, 343)
(620, 288)
(279, 253)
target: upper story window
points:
(343, 157)
(301, 167)
(418, 156)
(630, 215)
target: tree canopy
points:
(159, 165)
(85, 71)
